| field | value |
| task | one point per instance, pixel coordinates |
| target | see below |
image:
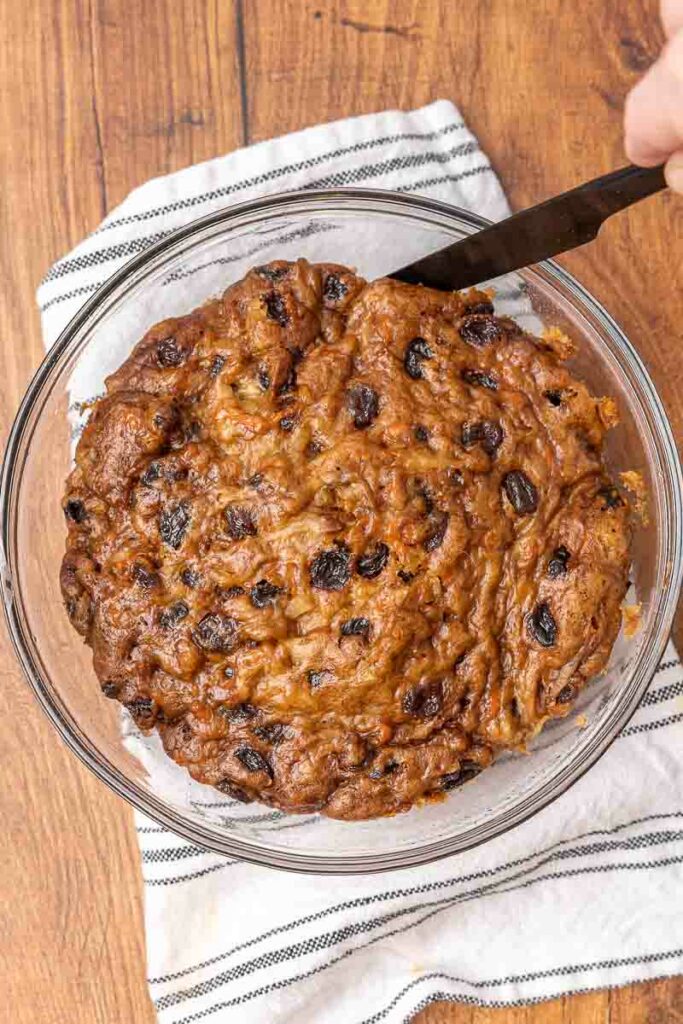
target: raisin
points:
(467, 771)
(358, 626)
(239, 521)
(152, 473)
(190, 578)
(316, 678)
(175, 613)
(287, 423)
(142, 709)
(216, 632)
(480, 307)
(557, 566)
(229, 672)
(334, 288)
(566, 694)
(173, 523)
(424, 701)
(363, 403)
(271, 732)
(264, 593)
(542, 626)
(272, 273)
(255, 480)
(331, 569)
(240, 713)
(276, 309)
(230, 789)
(75, 511)
(263, 379)
(169, 353)
(371, 564)
(437, 530)
(144, 578)
(421, 433)
(487, 432)
(416, 351)
(479, 329)
(217, 364)
(479, 379)
(253, 761)
(314, 448)
(521, 493)
(405, 577)
(110, 689)
(380, 771)
(554, 397)
(235, 591)
(610, 497)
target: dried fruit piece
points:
(424, 701)
(263, 378)
(487, 432)
(382, 770)
(169, 354)
(334, 288)
(438, 524)
(363, 404)
(405, 577)
(175, 613)
(542, 626)
(230, 789)
(240, 522)
(331, 569)
(479, 329)
(110, 689)
(480, 307)
(557, 566)
(217, 364)
(416, 352)
(271, 732)
(554, 397)
(216, 633)
(253, 761)
(521, 492)
(421, 433)
(152, 473)
(359, 626)
(315, 679)
(276, 309)
(190, 578)
(566, 694)
(75, 511)
(479, 379)
(287, 423)
(173, 523)
(235, 591)
(371, 564)
(239, 713)
(264, 593)
(467, 771)
(143, 711)
(272, 273)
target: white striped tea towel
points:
(585, 895)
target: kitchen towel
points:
(587, 894)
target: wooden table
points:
(96, 96)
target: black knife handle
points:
(537, 233)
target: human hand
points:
(653, 115)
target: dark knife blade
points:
(537, 233)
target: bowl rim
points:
(255, 851)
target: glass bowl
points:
(375, 232)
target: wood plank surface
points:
(96, 96)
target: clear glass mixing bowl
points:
(375, 232)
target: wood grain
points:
(96, 96)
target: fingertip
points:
(673, 171)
